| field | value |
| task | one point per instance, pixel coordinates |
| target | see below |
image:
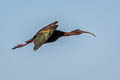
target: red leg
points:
(19, 45)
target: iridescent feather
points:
(43, 35)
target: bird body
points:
(49, 34)
(57, 34)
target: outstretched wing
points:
(42, 36)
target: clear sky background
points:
(82, 57)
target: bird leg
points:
(22, 45)
(19, 45)
(77, 32)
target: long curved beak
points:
(88, 33)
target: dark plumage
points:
(57, 34)
(49, 34)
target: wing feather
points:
(41, 38)
(43, 35)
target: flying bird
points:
(49, 34)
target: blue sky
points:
(80, 57)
